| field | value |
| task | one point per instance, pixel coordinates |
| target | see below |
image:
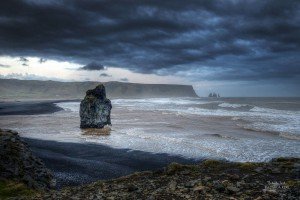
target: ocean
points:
(235, 129)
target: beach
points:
(29, 107)
(276, 179)
(77, 164)
(149, 134)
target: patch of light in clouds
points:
(68, 71)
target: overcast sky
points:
(236, 48)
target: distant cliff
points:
(13, 89)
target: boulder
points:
(18, 163)
(95, 109)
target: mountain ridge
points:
(15, 89)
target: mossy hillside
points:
(9, 189)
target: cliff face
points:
(12, 89)
(135, 90)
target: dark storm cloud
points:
(23, 59)
(104, 75)
(92, 67)
(4, 66)
(42, 60)
(124, 79)
(234, 40)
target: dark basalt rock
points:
(19, 164)
(95, 109)
(210, 179)
(215, 95)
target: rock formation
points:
(95, 109)
(210, 179)
(19, 164)
(215, 95)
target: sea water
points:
(235, 129)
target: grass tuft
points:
(9, 189)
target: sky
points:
(232, 47)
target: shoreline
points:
(34, 107)
(76, 164)
(102, 172)
(97, 169)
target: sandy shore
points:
(30, 107)
(76, 164)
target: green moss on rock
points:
(9, 189)
(247, 166)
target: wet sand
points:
(151, 130)
(76, 164)
(29, 107)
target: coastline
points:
(100, 172)
(77, 164)
(208, 179)
(32, 107)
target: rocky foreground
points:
(17, 163)
(210, 179)
(278, 179)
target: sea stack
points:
(95, 109)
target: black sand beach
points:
(76, 164)
(28, 108)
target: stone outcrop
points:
(211, 179)
(95, 109)
(215, 95)
(19, 164)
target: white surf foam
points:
(157, 133)
(230, 105)
(283, 122)
(69, 106)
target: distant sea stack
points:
(95, 109)
(215, 95)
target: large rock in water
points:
(95, 109)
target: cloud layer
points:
(207, 40)
(92, 67)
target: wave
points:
(159, 101)
(69, 106)
(229, 105)
(290, 136)
(273, 111)
(216, 135)
(272, 129)
(284, 123)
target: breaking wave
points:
(229, 105)
(284, 123)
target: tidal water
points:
(235, 129)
